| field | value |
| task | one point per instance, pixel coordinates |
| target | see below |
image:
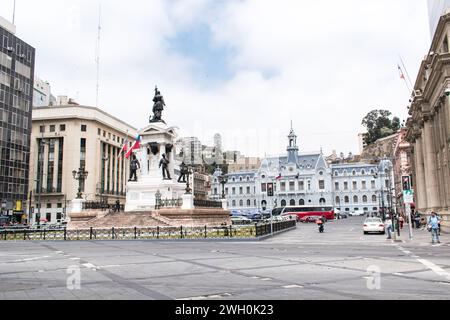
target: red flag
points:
(402, 76)
(279, 177)
(124, 148)
(135, 146)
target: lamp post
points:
(188, 173)
(223, 180)
(81, 176)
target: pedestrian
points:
(433, 227)
(388, 225)
(402, 221)
(117, 206)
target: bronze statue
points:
(164, 163)
(158, 107)
(183, 172)
(134, 165)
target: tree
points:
(379, 125)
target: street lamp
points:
(189, 171)
(223, 180)
(81, 176)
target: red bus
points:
(305, 211)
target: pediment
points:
(154, 129)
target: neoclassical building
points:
(429, 127)
(302, 179)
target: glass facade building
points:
(16, 96)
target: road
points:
(300, 264)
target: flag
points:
(402, 76)
(279, 177)
(136, 145)
(124, 148)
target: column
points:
(56, 164)
(430, 167)
(45, 167)
(420, 177)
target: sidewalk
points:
(421, 237)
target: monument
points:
(163, 187)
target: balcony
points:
(48, 192)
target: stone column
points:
(420, 177)
(430, 167)
(56, 163)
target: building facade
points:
(16, 96)
(304, 179)
(42, 95)
(429, 128)
(69, 138)
(436, 9)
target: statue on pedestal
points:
(134, 165)
(183, 172)
(158, 107)
(164, 164)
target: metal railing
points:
(207, 204)
(91, 205)
(148, 233)
(168, 203)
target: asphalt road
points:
(342, 263)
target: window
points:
(338, 200)
(309, 184)
(364, 185)
(292, 186)
(292, 202)
(323, 201)
(354, 172)
(283, 203)
(347, 199)
(215, 191)
(372, 184)
(83, 128)
(321, 184)
(41, 129)
(234, 203)
(263, 187)
(355, 185)
(233, 191)
(364, 199)
(248, 190)
(283, 186)
(241, 190)
(301, 202)
(99, 131)
(336, 186)
(49, 217)
(52, 128)
(355, 199)
(249, 203)
(301, 185)
(374, 199)
(241, 203)
(49, 205)
(62, 127)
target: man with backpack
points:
(433, 227)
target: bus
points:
(305, 211)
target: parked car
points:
(310, 219)
(240, 220)
(358, 213)
(255, 216)
(374, 225)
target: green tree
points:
(379, 125)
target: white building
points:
(304, 179)
(42, 95)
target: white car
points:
(358, 213)
(374, 225)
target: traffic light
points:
(406, 183)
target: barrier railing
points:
(148, 233)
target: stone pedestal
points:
(77, 205)
(188, 202)
(157, 139)
(224, 204)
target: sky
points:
(241, 68)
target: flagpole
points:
(406, 71)
(14, 12)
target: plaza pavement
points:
(300, 264)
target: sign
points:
(408, 196)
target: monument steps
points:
(122, 220)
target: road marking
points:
(266, 279)
(90, 266)
(31, 259)
(436, 269)
(293, 286)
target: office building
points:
(16, 96)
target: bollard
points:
(90, 234)
(206, 233)
(135, 233)
(112, 233)
(65, 234)
(181, 230)
(44, 235)
(231, 231)
(157, 232)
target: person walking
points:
(433, 227)
(402, 221)
(388, 225)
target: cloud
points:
(257, 64)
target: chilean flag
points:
(278, 178)
(135, 146)
(124, 148)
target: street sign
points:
(408, 196)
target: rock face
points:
(167, 217)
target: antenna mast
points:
(97, 58)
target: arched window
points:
(355, 199)
(240, 179)
(283, 203)
(366, 209)
(364, 199)
(292, 202)
(301, 202)
(363, 172)
(249, 203)
(241, 203)
(234, 203)
(336, 173)
(347, 199)
(234, 179)
(338, 200)
(264, 204)
(323, 201)
(374, 199)
(354, 172)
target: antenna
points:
(14, 12)
(97, 58)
